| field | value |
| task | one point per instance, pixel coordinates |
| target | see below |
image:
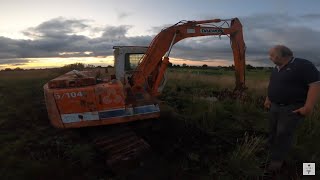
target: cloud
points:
(62, 37)
(56, 28)
(122, 15)
(157, 29)
(57, 37)
(13, 61)
(114, 33)
(19, 64)
(261, 32)
(313, 16)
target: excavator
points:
(129, 92)
(80, 99)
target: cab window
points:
(131, 61)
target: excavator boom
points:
(156, 57)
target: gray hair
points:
(283, 51)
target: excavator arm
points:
(158, 52)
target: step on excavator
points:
(129, 91)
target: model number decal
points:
(68, 95)
(207, 30)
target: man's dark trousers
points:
(282, 126)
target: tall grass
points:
(248, 148)
(256, 83)
(243, 161)
(306, 146)
(193, 98)
(32, 149)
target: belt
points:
(282, 104)
(287, 104)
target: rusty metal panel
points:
(110, 95)
(75, 100)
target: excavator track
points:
(119, 145)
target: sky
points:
(43, 33)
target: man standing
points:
(293, 91)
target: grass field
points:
(232, 145)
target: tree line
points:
(81, 66)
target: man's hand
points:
(304, 111)
(267, 103)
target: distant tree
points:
(184, 65)
(204, 66)
(249, 67)
(18, 69)
(70, 67)
(90, 66)
(230, 67)
(170, 65)
(76, 66)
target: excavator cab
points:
(126, 60)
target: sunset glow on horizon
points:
(214, 62)
(54, 62)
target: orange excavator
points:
(92, 98)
